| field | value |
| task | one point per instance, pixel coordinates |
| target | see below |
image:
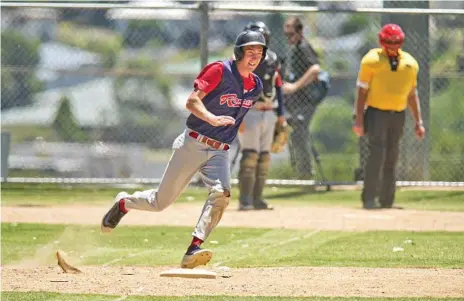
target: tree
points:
(20, 57)
(145, 103)
(66, 125)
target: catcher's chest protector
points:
(266, 72)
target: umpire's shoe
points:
(195, 257)
(114, 215)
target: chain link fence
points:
(98, 91)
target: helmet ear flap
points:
(238, 52)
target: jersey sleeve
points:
(209, 78)
(365, 74)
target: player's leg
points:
(264, 160)
(216, 175)
(250, 142)
(301, 146)
(377, 142)
(388, 184)
(185, 161)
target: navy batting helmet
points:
(248, 38)
(261, 27)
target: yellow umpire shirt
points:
(388, 90)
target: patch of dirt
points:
(288, 217)
(281, 281)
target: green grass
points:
(238, 247)
(48, 195)
(41, 296)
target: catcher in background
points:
(257, 131)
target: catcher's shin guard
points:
(264, 163)
(247, 176)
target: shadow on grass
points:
(427, 196)
(296, 193)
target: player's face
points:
(391, 47)
(252, 56)
(289, 31)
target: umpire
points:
(386, 85)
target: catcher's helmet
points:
(248, 38)
(261, 27)
(391, 37)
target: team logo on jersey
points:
(233, 101)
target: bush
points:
(336, 167)
(102, 41)
(20, 57)
(331, 127)
(145, 104)
(355, 23)
(139, 32)
(447, 120)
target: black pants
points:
(384, 131)
(300, 144)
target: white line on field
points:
(280, 243)
(127, 256)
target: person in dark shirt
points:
(224, 92)
(303, 90)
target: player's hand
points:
(222, 121)
(282, 120)
(358, 128)
(289, 88)
(419, 130)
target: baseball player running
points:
(257, 130)
(224, 92)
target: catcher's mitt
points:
(281, 133)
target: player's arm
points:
(365, 76)
(207, 81)
(280, 98)
(196, 107)
(360, 103)
(414, 106)
(308, 77)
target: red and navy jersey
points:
(228, 94)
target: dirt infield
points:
(288, 217)
(284, 281)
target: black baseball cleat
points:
(114, 215)
(242, 207)
(195, 257)
(262, 205)
(371, 206)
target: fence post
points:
(204, 28)
(5, 147)
(414, 155)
